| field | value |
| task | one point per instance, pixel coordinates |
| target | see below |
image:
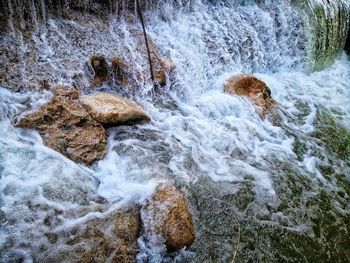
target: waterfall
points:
(276, 191)
(325, 22)
(328, 24)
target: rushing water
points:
(283, 188)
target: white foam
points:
(199, 131)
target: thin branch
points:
(146, 40)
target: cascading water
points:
(328, 23)
(272, 192)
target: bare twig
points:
(146, 40)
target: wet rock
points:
(165, 71)
(112, 109)
(72, 187)
(161, 77)
(162, 67)
(26, 14)
(115, 72)
(121, 72)
(100, 67)
(347, 43)
(334, 135)
(166, 215)
(254, 89)
(167, 65)
(329, 25)
(45, 84)
(112, 237)
(68, 128)
(67, 14)
(141, 46)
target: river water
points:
(282, 189)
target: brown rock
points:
(120, 72)
(254, 89)
(166, 215)
(68, 15)
(161, 77)
(109, 108)
(68, 128)
(128, 75)
(165, 67)
(100, 66)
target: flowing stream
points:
(283, 188)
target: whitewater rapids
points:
(288, 184)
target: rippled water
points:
(283, 188)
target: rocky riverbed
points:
(238, 151)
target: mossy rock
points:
(334, 135)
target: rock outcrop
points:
(68, 128)
(112, 109)
(254, 89)
(166, 215)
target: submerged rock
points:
(68, 128)
(100, 67)
(165, 67)
(107, 238)
(120, 72)
(166, 215)
(254, 89)
(334, 136)
(162, 67)
(161, 77)
(112, 109)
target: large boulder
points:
(166, 215)
(68, 128)
(254, 89)
(112, 109)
